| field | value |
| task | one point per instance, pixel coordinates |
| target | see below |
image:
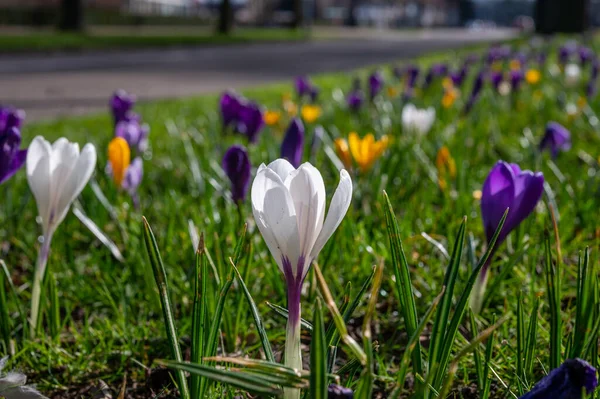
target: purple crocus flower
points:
(11, 157)
(355, 100)
(9, 118)
(121, 104)
(565, 52)
(133, 176)
(412, 73)
(556, 138)
(475, 91)
(375, 84)
(585, 55)
(541, 58)
(230, 105)
(335, 391)
(135, 133)
(250, 121)
(507, 186)
(292, 146)
(236, 165)
(566, 382)
(313, 94)
(591, 87)
(459, 77)
(516, 78)
(496, 78)
(303, 86)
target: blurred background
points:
(548, 15)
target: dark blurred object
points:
(561, 16)
(225, 17)
(298, 13)
(71, 15)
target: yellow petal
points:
(354, 143)
(310, 113)
(532, 76)
(272, 117)
(343, 151)
(119, 156)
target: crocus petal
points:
(12, 379)
(497, 194)
(38, 176)
(82, 170)
(23, 392)
(529, 188)
(275, 215)
(307, 190)
(566, 382)
(282, 167)
(337, 210)
(134, 175)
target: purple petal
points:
(498, 193)
(292, 146)
(236, 165)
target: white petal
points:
(22, 393)
(12, 380)
(70, 187)
(337, 210)
(63, 152)
(263, 181)
(38, 177)
(307, 190)
(282, 167)
(277, 223)
(38, 149)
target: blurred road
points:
(54, 85)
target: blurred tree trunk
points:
(71, 15)
(298, 13)
(565, 16)
(225, 17)
(351, 18)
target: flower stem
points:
(293, 356)
(38, 278)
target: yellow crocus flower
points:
(446, 167)
(392, 92)
(447, 83)
(310, 113)
(581, 102)
(290, 107)
(367, 150)
(533, 76)
(119, 156)
(449, 98)
(515, 65)
(343, 152)
(272, 117)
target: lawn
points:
(102, 319)
(24, 41)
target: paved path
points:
(48, 86)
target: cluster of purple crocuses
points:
(306, 89)
(241, 116)
(129, 126)
(12, 157)
(246, 117)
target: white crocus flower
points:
(418, 120)
(12, 385)
(289, 208)
(57, 173)
(572, 74)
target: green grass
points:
(123, 38)
(111, 322)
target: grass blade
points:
(284, 313)
(245, 381)
(403, 281)
(337, 317)
(199, 314)
(260, 327)
(160, 276)
(365, 387)
(437, 350)
(553, 291)
(318, 356)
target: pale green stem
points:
(293, 356)
(38, 279)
